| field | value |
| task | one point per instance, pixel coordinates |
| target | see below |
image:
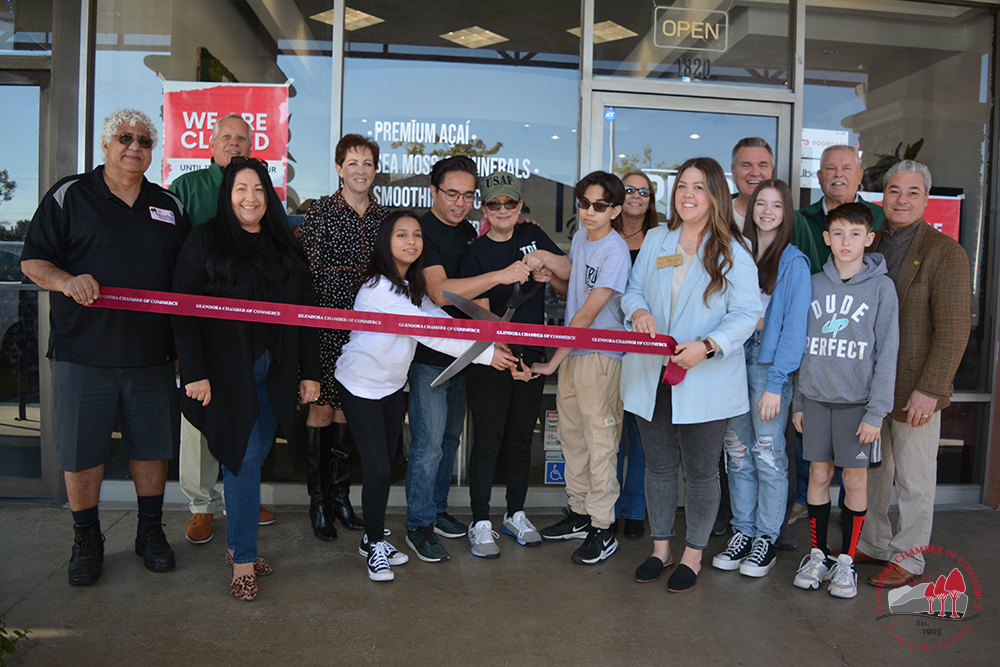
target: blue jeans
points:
(755, 456)
(243, 488)
(436, 419)
(633, 490)
(801, 473)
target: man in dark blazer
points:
(931, 272)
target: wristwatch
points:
(711, 350)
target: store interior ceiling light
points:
(606, 31)
(474, 37)
(353, 19)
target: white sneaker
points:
(521, 529)
(812, 571)
(378, 563)
(393, 555)
(481, 538)
(843, 578)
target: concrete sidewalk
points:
(529, 607)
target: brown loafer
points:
(893, 576)
(266, 517)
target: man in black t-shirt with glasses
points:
(437, 414)
(110, 227)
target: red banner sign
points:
(169, 303)
(942, 213)
(190, 111)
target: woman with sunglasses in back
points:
(695, 280)
(504, 404)
(241, 378)
(338, 236)
(372, 370)
(637, 218)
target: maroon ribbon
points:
(168, 303)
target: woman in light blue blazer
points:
(695, 280)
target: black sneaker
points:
(425, 544)
(151, 544)
(599, 544)
(761, 559)
(392, 554)
(448, 526)
(573, 527)
(88, 555)
(737, 549)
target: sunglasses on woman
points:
(643, 192)
(239, 159)
(510, 204)
(585, 203)
(126, 139)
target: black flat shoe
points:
(651, 569)
(634, 529)
(682, 579)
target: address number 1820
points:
(694, 68)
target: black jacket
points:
(223, 351)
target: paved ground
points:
(529, 607)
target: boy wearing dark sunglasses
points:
(588, 399)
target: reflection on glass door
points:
(20, 444)
(658, 141)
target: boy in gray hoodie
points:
(844, 388)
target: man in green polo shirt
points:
(839, 177)
(199, 192)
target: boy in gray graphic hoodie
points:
(844, 388)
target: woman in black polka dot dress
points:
(338, 235)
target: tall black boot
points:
(339, 493)
(317, 469)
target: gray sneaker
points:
(425, 544)
(843, 578)
(813, 571)
(798, 511)
(521, 529)
(481, 539)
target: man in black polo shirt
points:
(110, 227)
(437, 414)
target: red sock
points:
(819, 522)
(852, 522)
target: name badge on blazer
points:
(668, 260)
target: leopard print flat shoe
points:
(244, 588)
(260, 566)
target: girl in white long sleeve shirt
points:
(372, 368)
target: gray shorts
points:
(86, 400)
(829, 433)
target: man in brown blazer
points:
(931, 272)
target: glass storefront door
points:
(656, 134)
(21, 469)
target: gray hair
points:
(911, 167)
(751, 142)
(131, 116)
(841, 147)
(234, 115)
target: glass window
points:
(512, 104)
(141, 43)
(911, 79)
(742, 42)
(26, 27)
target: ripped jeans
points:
(755, 456)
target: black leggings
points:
(375, 425)
(502, 409)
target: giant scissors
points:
(477, 312)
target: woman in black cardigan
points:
(240, 377)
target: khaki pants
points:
(590, 428)
(909, 457)
(199, 471)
